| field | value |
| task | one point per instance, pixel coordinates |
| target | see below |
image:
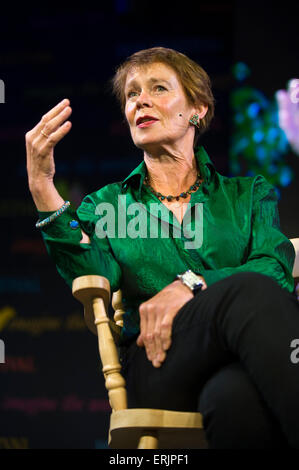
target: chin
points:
(149, 146)
(148, 143)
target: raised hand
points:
(40, 143)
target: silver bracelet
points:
(48, 220)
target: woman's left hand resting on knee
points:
(156, 318)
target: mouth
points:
(145, 121)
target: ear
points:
(201, 110)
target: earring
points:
(195, 120)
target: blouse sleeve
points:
(74, 259)
(270, 252)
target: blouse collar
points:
(206, 168)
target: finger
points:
(51, 114)
(56, 110)
(166, 332)
(160, 359)
(139, 341)
(149, 339)
(54, 123)
(55, 137)
(159, 351)
(143, 324)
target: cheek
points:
(129, 112)
(165, 105)
(171, 108)
(172, 119)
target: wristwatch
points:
(191, 280)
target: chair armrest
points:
(86, 289)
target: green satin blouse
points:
(231, 226)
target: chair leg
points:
(149, 440)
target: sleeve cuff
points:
(63, 227)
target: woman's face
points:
(156, 108)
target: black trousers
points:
(230, 359)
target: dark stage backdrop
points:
(52, 392)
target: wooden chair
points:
(135, 428)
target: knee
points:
(234, 414)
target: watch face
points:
(191, 280)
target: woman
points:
(213, 339)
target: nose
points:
(143, 100)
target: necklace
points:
(193, 187)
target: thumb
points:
(139, 341)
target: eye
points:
(160, 88)
(131, 94)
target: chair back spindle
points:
(114, 381)
(118, 307)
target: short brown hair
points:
(195, 81)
